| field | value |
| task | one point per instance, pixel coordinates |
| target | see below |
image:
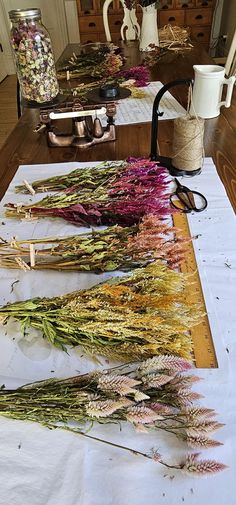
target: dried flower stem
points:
(115, 248)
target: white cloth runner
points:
(139, 110)
(38, 466)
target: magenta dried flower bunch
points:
(140, 74)
(128, 193)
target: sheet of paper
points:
(139, 110)
(52, 467)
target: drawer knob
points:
(171, 18)
(199, 16)
(92, 25)
(200, 34)
(117, 23)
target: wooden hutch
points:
(196, 14)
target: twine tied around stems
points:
(188, 146)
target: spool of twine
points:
(188, 149)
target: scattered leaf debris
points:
(13, 284)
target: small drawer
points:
(201, 34)
(167, 4)
(174, 17)
(115, 22)
(86, 38)
(90, 24)
(205, 3)
(198, 17)
(184, 4)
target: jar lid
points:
(18, 14)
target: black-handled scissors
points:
(187, 199)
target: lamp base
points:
(176, 172)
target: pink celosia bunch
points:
(140, 74)
(137, 190)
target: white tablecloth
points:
(38, 466)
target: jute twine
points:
(188, 148)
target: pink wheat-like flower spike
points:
(142, 415)
(140, 396)
(198, 412)
(165, 362)
(107, 407)
(93, 396)
(156, 380)
(186, 380)
(118, 384)
(203, 427)
(185, 396)
(194, 467)
(162, 410)
(200, 442)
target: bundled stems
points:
(120, 194)
(114, 248)
(153, 395)
(133, 317)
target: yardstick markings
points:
(203, 346)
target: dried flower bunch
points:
(153, 395)
(131, 4)
(90, 179)
(132, 317)
(122, 195)
(114, 248)
(132, 78)
(95, 60)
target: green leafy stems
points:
(115, 248)
(136, 316)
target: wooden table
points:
(23, 146)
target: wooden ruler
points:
(203, 346)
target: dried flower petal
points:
(199, 442)
(165, 362)
(193, 466)
(117, 383)
(202, 427)
(156, 456)
(162, 409)
(142, 415)
(156, 380)
(140, 396)
(106, 408)
(192, 413)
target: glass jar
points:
(34, 57)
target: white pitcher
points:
(207, 91)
